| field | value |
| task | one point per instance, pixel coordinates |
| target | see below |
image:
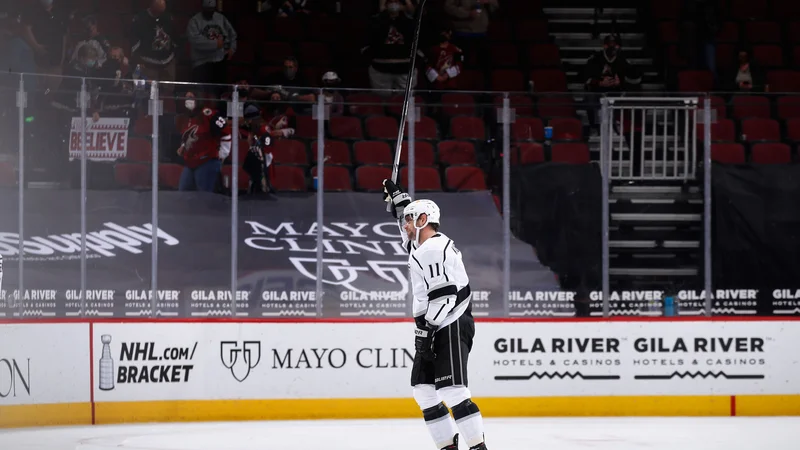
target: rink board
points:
(119, 372)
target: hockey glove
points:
(423, 339)
(394, 193)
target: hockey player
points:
(444, 323)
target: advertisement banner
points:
(106, 138)
(625, 358)
(193, 361)
(364, 267)
(44, 363)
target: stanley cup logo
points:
(106, 368)
(250, 351)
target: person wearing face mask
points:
(153, 44)
(333, 98)
(445, 63)
(289, 80)
(93, 37)
(749, 75)
(406, 6)
(608, 71)
(205, 143)
(390, 40)
(213, 42)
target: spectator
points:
(44, 29)
(444, 63)
(470, 22)
(213, 43)
(288, 78)
(258, 160)
(93, 38)
(153, 42)
(202, 146)
(699, 26)
(388, 49)
(290, 8)
(748, 74)
(16, 55)
(334, 99)
(408, 7)
(608, 71)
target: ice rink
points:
(737, 433)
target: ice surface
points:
(729, 433)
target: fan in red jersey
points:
(202, 146)
(444, 63)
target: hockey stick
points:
(407, 97)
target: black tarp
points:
(756, 232)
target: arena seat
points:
(423, 153)
(424, 129)
(573, 153)
(465, 178)
(288, 179)
(457, 153)
(527, 129)
(566, 129)
(372, 152)
(762, 32)
(364, 104)
(288, 151)
(370, 178)
(337, 152)
(723, 130)
(425, 179)
(132, 175)
(344, 127)
(458, 105)
(788, 107)
(728, 153)
(139, 150)
(760, 130)
(467, 128)
(771, 153)
(337, 178)
(527, 153)
(747, 106)
(169, 176)
(381, 127)
(226, 174)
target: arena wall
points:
(112, 371)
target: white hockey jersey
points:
(438, 279)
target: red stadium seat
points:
(761, 32)
(668, 32)
(289, 179)
(321, 28)
(471, 80)
(786, 10)
(566, 129)
(364, 104)
(423, 154)
(8, 176)
(760, 130)
(748, 9)
(370, 178)
(718, 105)
(522, 105)
(745, 106)
(169, 176)
(425, 179)
(227, 178)
(343, 127)
(306, 127)
(527, 153)
(139, 150)
(337, 178)
(314, 54)
(247, 28)
(467, 128)
(373, 152)
(143, 126)
(788, 107)
(245, 52)
(507, 80)
(728, 32)
(783, 81)
(337, 152)
(458, 104)
(531, 30)
(465, 178)
(771, 153)
(499, 31)
(723, 130)
(549, 80)
(796, 56)
(381, 127)
(794, 30)
(527, 129)
(274, 53)
(572, 153)
(544, 55)
(503, 55)
(728, 153)
(288, 29)
(768, 56)
(665, 10)
(133, 175)
(457, 152)
(394, 104)
(695, 81)
(560, 106)
(793, 129)
(288, 151)
(424, 129)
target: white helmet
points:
(419, 207)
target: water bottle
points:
(669, 306)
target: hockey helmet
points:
(419, 207)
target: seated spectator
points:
(407, 6)
(334, 99)
(388, 49)
(444, 63)
(749, 76)
(290, 8)
(153, 38)
(469, 20)
(202, 146)
(288, 78)
(92, 37)
(608, 71)
(213, 42)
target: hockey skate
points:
(455, 444)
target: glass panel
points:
(9, 192)
(556, 207)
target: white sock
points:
(440, 425)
